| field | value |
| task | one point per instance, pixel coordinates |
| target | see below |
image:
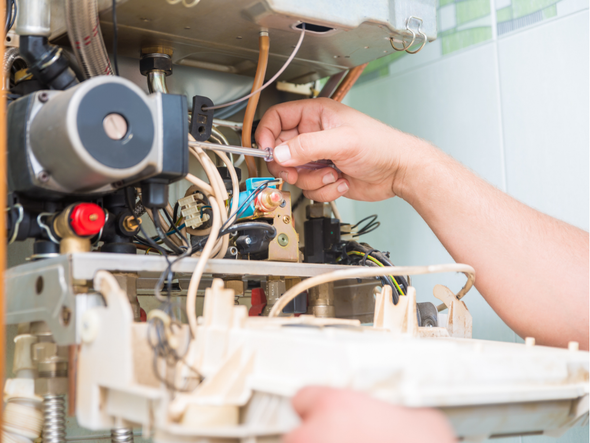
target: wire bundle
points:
(11, 13)
(361, 254)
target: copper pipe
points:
(264, 44)
(348, 82)
(2, 219)
(331, 84)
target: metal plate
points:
(222, 35)
(41, 291)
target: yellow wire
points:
(378, 263)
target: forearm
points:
(531, 268)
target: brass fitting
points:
(268, 200)
(131, 224)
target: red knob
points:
(87, 219)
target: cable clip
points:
(407, 47)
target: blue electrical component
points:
(252, 184)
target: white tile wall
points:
(515, 111)
(544, 91)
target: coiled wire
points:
(122, 435)
(54, 419)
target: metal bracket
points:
(42, 291)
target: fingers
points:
(289, 175)
(312, 180)
(336, 144)
(302, 114)
(329, 193)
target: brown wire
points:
(348, 82)
(264, 44)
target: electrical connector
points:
(191, 208)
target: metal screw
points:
(115, 126)
(43, 176)
(283, 239)
(286, 219)
(248, 240)
(43, 97)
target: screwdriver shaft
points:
(266, 154)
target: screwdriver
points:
(266, 154)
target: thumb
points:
(331, 144)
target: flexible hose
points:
(10, 56)
(264, 45)
(86, 37)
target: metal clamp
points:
(45, 227)
(106, 219)
(21, 214)
(407, 47)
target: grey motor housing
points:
(59, 142)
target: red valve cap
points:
(87, 219)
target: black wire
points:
(115, 37)
(14, 14)
(162, 349)
(175, 213)
(160, 231)
(174, 227)
(7, 26)
(370, 226)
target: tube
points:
(348, 82)
(264, 45)
(86, 37)
(157, 82)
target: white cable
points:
(193, 287)
(361, 272)
(291, 57)
(219, 193)
(240, 160)
(335, 211)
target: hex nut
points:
(51, 386)
(318, 210)
(155, 62)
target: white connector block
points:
(191, 210)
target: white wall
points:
(514, 109)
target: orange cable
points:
(264, 45)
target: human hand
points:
(343, 416)
(373, 158)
